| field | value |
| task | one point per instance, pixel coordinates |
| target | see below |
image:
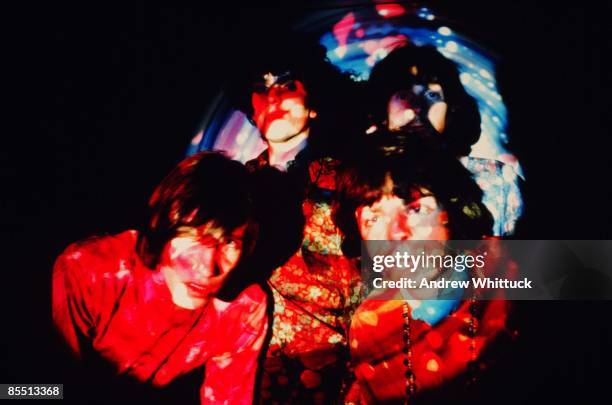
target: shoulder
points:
(98, 255)
(252, 299)
(491, 173)
(247, 312)
(322, 172)
(482, 165)
(490, 167)
(258, 162)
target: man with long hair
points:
(147, 302)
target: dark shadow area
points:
(111, 97)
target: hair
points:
(277, 209)
(394, 73)
(330, 92)
(362, 182)
(206, 187)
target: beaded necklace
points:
(409, 374)
(472, 365)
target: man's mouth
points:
(199, 289)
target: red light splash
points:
(342, 29)
(390, 10)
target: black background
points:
(107, 98)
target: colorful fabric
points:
(438, 353)
(104, 297)
(501, 193)
(314, 298)
(320, 233)
(315, 294)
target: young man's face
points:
(280, 110)
(392, 218)
(197, 260)
(415, 106)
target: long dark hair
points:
(411, 64)
(209, 187)
(361, 181)
(205, 187)
(331, 93)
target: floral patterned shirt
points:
(315, 294)
(314, 298)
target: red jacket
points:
(104, 296)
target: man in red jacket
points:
(145, 300)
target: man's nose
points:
(400, 230)
(207, 266)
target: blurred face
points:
(392, 218)
(197, 260)
(417, 106)
(279, 110)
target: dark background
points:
(107, 99)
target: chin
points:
(281, 131)
(188, 302)
(276, 138)
(279, 138)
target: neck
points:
(281, 153)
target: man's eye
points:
(421, 209)
(414, 209)
(433, 95)
(371, 221)
(232, 244)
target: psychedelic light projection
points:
(362, 37)
(356, 39)
(224, 128)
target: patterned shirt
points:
(315, 294)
